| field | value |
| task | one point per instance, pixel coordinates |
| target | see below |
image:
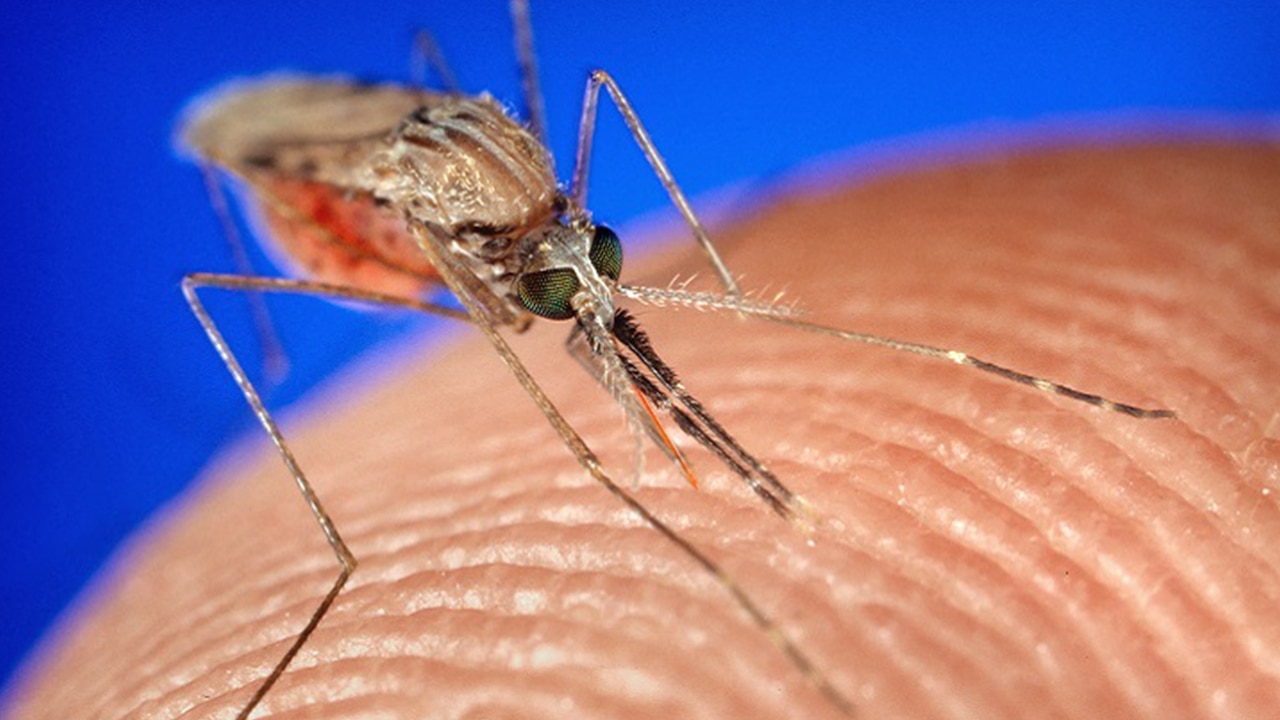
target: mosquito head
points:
(570, 271)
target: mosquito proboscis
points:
(378, 192)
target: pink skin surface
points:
(984, 550)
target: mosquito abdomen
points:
(328, 235)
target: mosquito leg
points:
(275, 362)
(433, 248)
(347, 561)
(535, 111)
(190, 286)
(426, 56)
(582, 162)
(319, 289)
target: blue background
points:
(112, 400)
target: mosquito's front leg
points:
(582, 161)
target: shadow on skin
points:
(985, 550)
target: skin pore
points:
(983, 550)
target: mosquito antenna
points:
(963, 358)
(789, 316)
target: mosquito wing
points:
(320, 128)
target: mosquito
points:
(380, 192)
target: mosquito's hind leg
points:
(191, 284)
(427, 56)
(275, 362)
(534, 109)
(582, 162)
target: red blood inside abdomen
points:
(343, 238)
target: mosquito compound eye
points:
(549, 293)
(606, 252)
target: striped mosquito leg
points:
(428, 56)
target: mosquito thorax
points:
(461, 162)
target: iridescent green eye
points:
(606, 252)
(548, 293)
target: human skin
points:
(983, 550)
